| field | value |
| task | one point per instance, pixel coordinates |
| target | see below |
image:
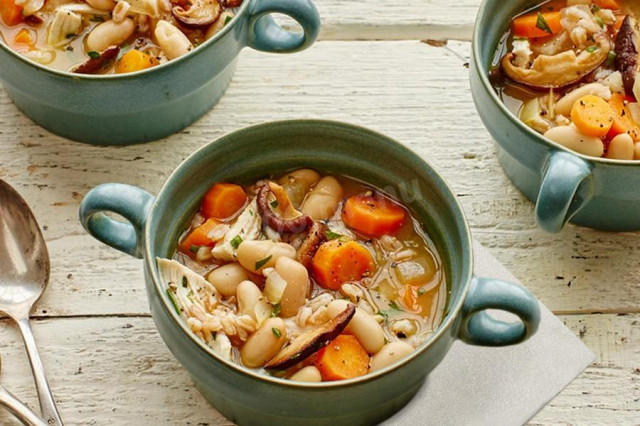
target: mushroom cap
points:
(201, 13)
(627, 52)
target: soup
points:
(306, 277)
(569, 69)
(107, 37)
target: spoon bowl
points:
(24, 274)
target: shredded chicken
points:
(247, 227)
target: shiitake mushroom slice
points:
(200, 14)
(312, 341)
(627, 52)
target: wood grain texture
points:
(117, 371)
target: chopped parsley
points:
(421, 292)
(276, 310)
(174, 302)
(600, 21)
(595, 8)
(276, 332)
(592, 49)
(185, 282)
(543, 24)
(260, 263)
(93, 54)
(611, 59)
(394, 306)
(235, 242)
(274, 204)
(227, 19)
(194, 249)
(384, 315)
(331, 235)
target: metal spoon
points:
(24, 273)
(18, 409)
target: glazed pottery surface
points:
(157, 102)
(566, 186)
(245, 396)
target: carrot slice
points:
(592, 115)
(337, 262)
(10, 12)
(23, 37)
(622, 121)
(135, 60)
(533, 25)
(371, 215)
(607, 4)
(198, 237)
(223, 200)
(343, 358)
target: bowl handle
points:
(128, 201)
(479, 328)
(267, 35)
(566, 187)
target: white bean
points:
(101, 4)
(171, 40)
(297, 278)
(636, 151)
(227, 277)
(323, 200)
(264, 344)
(564, 105)
(258, 255)
(366, 329)
(390, 353)
(572, 138)
(109, 33)
(307, 374)
(621, 147)
(248, 295)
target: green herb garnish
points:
(261, 263)
(276, 332)
(384, 315)
(611, 59)
(174, 302)
(227, 19)
(194, 249)
(93, 54)
(542, 24)
(276, 310)
(185, 282)
(595, 8)
(394, 306)
(235, 242)
(333, 235)
(600, 21)
(421, 292)
(592, 49)
(274, 204)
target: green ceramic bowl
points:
(157, 102)
(566, 186)
(245, 396)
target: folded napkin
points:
(498, 386)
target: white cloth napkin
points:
(498, 386)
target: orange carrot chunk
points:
(371, 215)
(223, 201)
(592, 115)
(607, 4)
(198, 237)
(337, 262)
(343, 358)
(135, 60)
(23, 37)
(533, 25)
(10, 12)
(622, 120)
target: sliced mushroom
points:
(559, 70)
(317, 235)
(232, 3)
(200, 14)
(95, 65)
(627, 51)
(312, 341)
(280, 214)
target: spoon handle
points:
(47, 404)
(18, 409)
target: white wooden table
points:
(399, 67)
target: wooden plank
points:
(117, 371)
(412, 91)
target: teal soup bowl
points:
(157, 102)
(566, 186)
(246, 396)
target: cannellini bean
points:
(264, 344)
(102, 4)
(109, 33)
(298, 183)
(572, 138)
(636, 151)
(362, 325)
(171, 40)
(323, 200)
(307, 374)
(248, 295)
(258, 255)
(297, 279)
(564, 105)
(621, 147)
(227, 277)
(390, 353)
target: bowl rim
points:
(478, 40)
(453, 310)
(118, 77)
